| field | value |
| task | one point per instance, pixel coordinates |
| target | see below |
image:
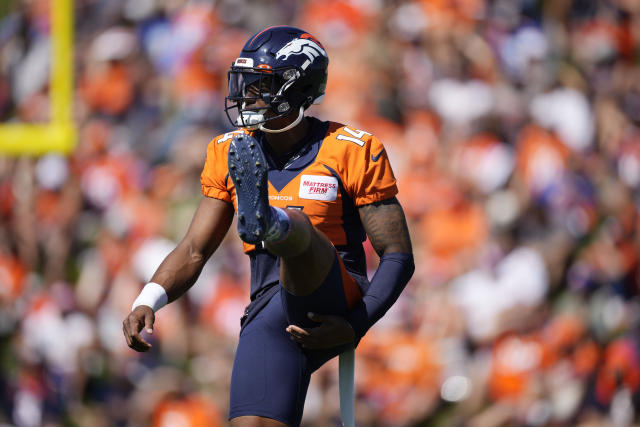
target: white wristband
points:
(152, 295)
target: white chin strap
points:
(286, 128)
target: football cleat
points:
(249, 173)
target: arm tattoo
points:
(386, 226)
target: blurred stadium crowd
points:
(514, 132)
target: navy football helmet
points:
(283, 66)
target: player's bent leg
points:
(336, 295)
(253, 421)
(307, 255)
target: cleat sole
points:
(247, 170)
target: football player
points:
(307, 193)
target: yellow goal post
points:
(59, 135)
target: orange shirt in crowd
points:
(12, 275)
(188, 411)
(451, 230)
(541, 157)
(514, 365)
(396, 364)
(620, 368)
(108, 89)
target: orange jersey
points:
(331, 173)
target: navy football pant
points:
(271, 372)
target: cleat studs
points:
(232, 166)
(258, 215)
(258, 164)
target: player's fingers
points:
(126, 333)
(306, 339)
(136, 341)
(312, 338)
(299, 338)
(129, 329)
(307, 342)
(148, 322)
(298, 331)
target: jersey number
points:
(229, 135)
(356, 135)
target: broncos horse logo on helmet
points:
(305, 46)
(284, 67)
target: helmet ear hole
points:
(283, 107)
(290, 74)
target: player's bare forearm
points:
(385, 224)
(180, 269)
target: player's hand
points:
(333, 331)
(141, 317)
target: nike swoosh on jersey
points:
(377, 156)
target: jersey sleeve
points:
(214, 174)
(370, 177)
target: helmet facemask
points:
(258, 95)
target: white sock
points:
(280, 225)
